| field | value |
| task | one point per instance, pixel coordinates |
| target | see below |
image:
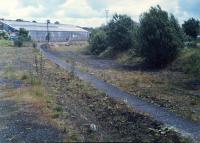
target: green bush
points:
(18, 42)
(107, 53)
(192, 44)
(5, 43)
(160, 37)
(4, 35)
(191, 27)
(188, 62)
(121, 32)
(22, 37)
(34, 44)
(98, 41)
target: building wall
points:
(62, 36)
(40, 36)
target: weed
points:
(35, 81)
(56, 114)
(39, 93)
(5, 43)
(58, 109)
(72, 71)
(24, 77)
(34, 44)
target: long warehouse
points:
(38, 31)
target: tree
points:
(191, 27)
(160, 37)
(3, 35)
(98, 40)
(22, 36)
(57, 22)
(19, 20)
(121, 32)
(34, 21)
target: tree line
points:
(157, 37)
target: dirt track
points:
(159, 113)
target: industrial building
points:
(38, 31)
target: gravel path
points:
(171, 119)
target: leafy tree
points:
(160, 37)
(121, 32)
(98, 40)
(22, 36)
(191, 27)
(57, 22)
(3, 35)
(19, 20)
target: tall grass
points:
(5, 43)
(189, 62)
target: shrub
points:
(34, 44)
(98, 41)
(22, 37)
(188, 62)
(191, 27)
(160, 37)
(18, 42)
(107, 53)
(4, 35)
(121, 32)
(192, 44)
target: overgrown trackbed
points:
(159, 113)
(20, 121)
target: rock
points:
(93, 127)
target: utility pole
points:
(48, 36)
(107, 15)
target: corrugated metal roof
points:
(31, 26)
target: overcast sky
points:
(92, 12)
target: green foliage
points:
(192, 44)
(34, 44)
(34, 81)
(188, 62)
(119, 35)
(160, 37)
(18, 43)
(5, 43)
(57, 22)
(121, 32)
(107, 53)
(4, 35)
(191, 27)
(98, 41)
(22, 37)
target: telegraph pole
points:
(107, 15)
(48, 36)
